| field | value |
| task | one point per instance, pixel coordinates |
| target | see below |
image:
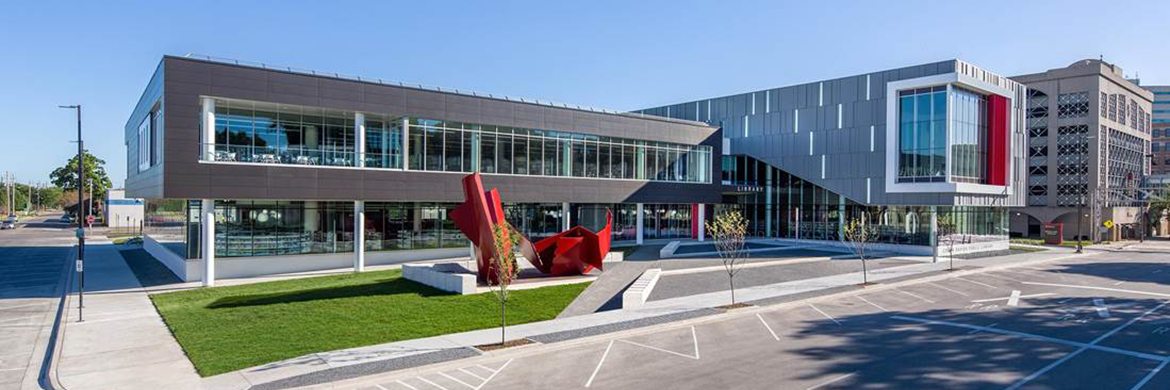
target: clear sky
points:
(621, 55)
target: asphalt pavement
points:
(1093, 322)
(32, 267)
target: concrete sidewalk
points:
(122, 342)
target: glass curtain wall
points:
(592, 216)
(969, 136)
(922, 134)
(383, 142)
(280, 134)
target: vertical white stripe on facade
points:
(745, 126)
(866, 87)
(867, 190)
(668, 112)
(820, 94)
(753, 103)
(840, 115)
(871, 138)
(697, 112)
(796, 120)
(822, 166)
(767, 101)
(708, 110)
(810, 143)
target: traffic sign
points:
(89, 220)
(1108, 224)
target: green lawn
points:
(1025, 249)
(1036, 241)
(225, 329)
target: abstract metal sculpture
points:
(573, 252)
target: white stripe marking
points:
(430, 383)
(1102, 309)
(457, 380)
(949, 289)
(696, 357)
(407, 386)
(696, 338)
(871, 303)
(1150, 375)
(988, 274)
(472, 374)
(599, 362)
(914, 295)
(824, 314)
(1100, 288)
(830, 381)
(1049, 367)
(769, 327)
(493, 375)
(979, 283)
(979, 330)
(380, 387)
(1014, 300)
(488, 369)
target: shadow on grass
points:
(385, 286)
(901, 350)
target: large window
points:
(279, 134)
(969, 137)
(922, 135)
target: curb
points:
(48, 376)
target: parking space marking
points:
(824, 314)
(1009, 298)
(1078, 344)
(871, 303)
(1102, 310)
(948, 289)
(456, 380)
(979, 283)
(1091, 344)
(831, 381)
(914, 295)
(769, 327)
(472, 374)
(1014, 300)
(599, 362)
(404, 384)
(1149, 376)
(693, 335)
(980, 330)
(991, 275)
(428, 381)
(1100, 288)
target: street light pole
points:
(80, 222)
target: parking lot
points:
(1095, 322)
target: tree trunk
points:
(864, 271)
(503, 321)
(731, 281)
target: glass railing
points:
(297, 156)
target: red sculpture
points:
(573, 252)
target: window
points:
(145, 142)
(922, 134)
(969, 131)
(1072, 105)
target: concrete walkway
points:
(122, 342)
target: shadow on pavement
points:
(1138, 272)
(882, 351)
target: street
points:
(32, 267)
(1096, 321)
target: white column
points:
(208, 242)
(359, 129)
(934, 233)
(405, 144)
(702, 222)
(768, 203)
(640, 223)
(359, 236)
(208, 138)
(565, 212)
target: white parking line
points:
(1150, 375)
(1102, 310)
(472, 374)
(830, 381)
(914, 295)
(769, 327)
(696, 338)
(1093, 343)
(380, 387)
(1100, 288)
(430, 383)
(1014, 300)
(871, 303)
(980, 330)
(494, 373)
(979, 283)
(599, 362)
(948, 289)
(404, 384)
(825, 314)
(991, 275)
(457, 380)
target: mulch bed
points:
(507, 344)
(733, 306)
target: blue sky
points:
(620, 55)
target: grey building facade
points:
(1089, 129)
(910, 149)
(276, 170)
(1160, 139)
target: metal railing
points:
(296, 156)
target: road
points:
(32, 265)
(1091, 322)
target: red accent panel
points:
(695, 221)
(574, 251)
(998, 144)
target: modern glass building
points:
(251, 169)
(927, 153)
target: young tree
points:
(504, 269)
(859, 233)
(946, 231)
(729, 230)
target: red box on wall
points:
(1053, 233)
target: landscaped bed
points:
(225, 329)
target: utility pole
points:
(80, 215)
